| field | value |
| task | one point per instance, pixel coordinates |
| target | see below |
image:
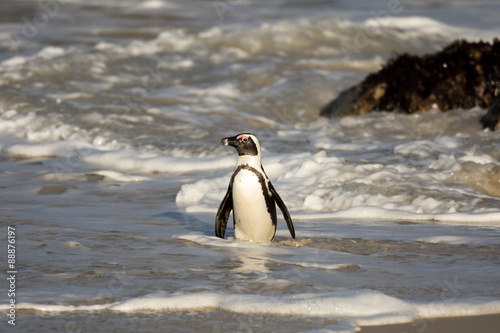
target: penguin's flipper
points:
(284, 210)
(225, 208)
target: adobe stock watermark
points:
(223, 7)
(449, 294)
(452, 290)
(138, 93)
(127, 100)
(30, 26)
(11, 275)
(284, 114)
(381, 19)
(118, 282)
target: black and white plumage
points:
(250, 196)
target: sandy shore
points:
(474, 324)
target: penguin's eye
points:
(243, 138)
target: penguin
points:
(250, 196)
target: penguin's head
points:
(246, 144)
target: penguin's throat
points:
(253, 161)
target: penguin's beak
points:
(231, 141)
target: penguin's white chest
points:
(252, 218)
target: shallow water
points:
(111, 170)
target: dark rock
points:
(52, 189)
(462, 75)
(490, 119)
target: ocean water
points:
(111, 172)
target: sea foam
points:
(349, 307)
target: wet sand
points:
(473, 324)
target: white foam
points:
(178, 63)
(479, 159)
(425, 148)
(351, 307)
(35, 136)
(71, 244)
(310, 183)
(345, 304)
(213, 95)
(156, 4)
(177, 40)
(460, 307)
(121, 177)
(14, 124)
(377, 213)
(50, 52)
(373, 306)
(132, 160)
(14, 61)
(414, 26)
(121, 160)
(318, 186)
(449, 240)
(58, 148)
(60, 307)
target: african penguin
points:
(250, 196)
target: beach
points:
(112, 172)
